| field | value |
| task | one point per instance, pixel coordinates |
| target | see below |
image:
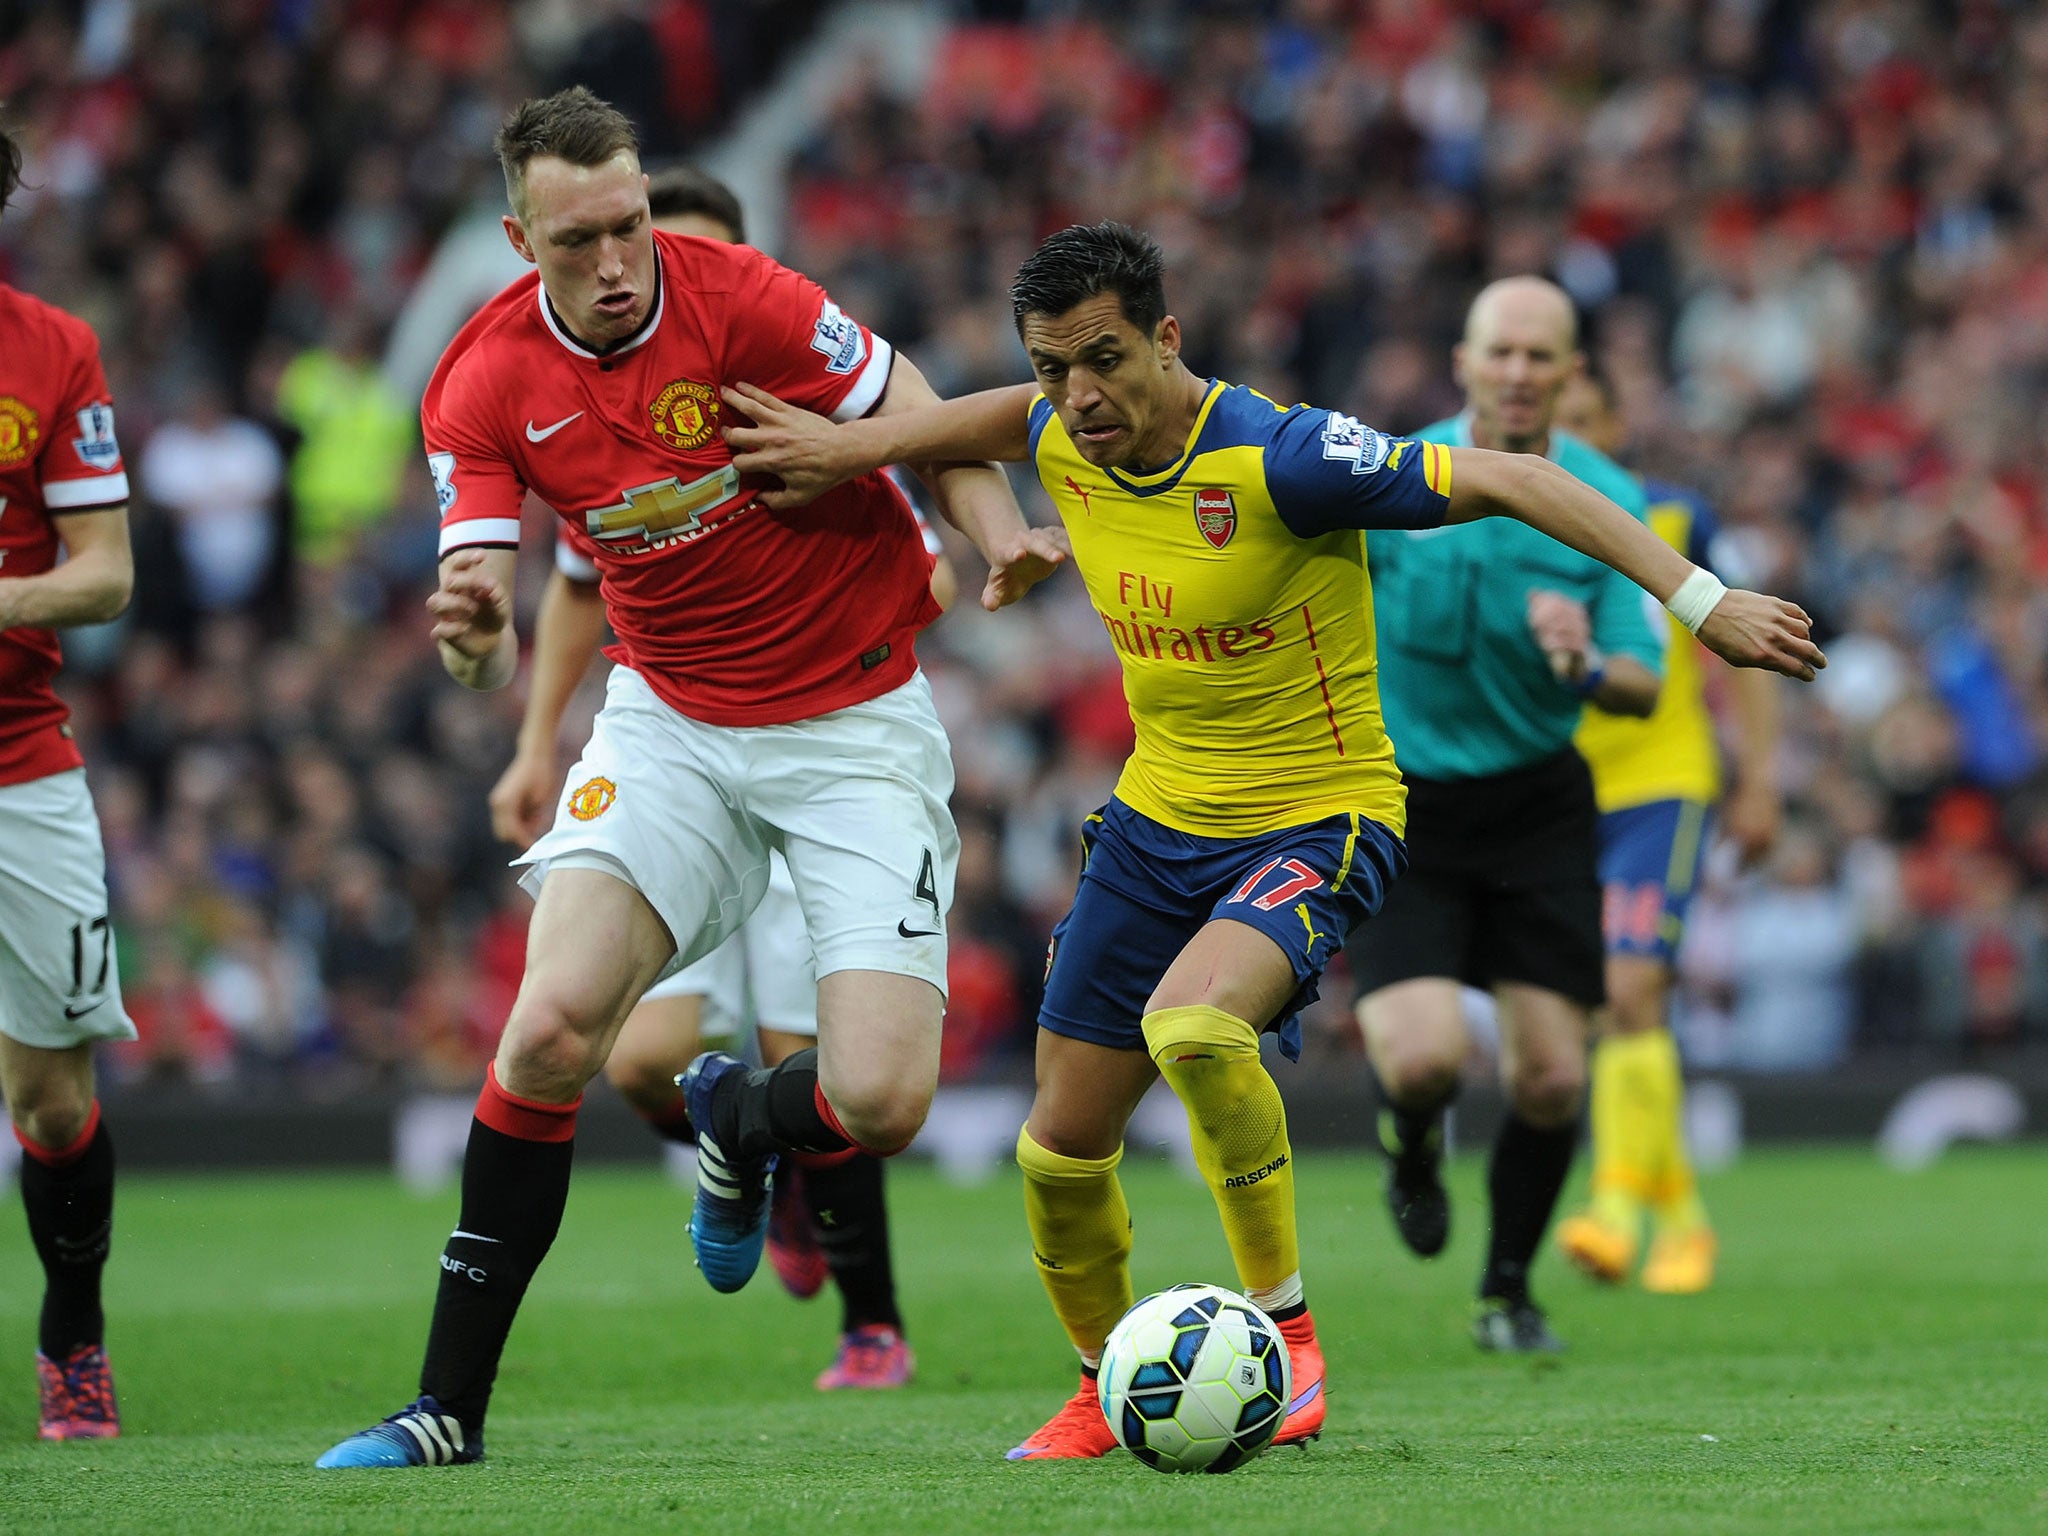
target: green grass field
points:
(1874, 1360)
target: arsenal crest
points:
(1215, 516)
(685, 414)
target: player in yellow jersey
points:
(1259, 817)
(1656, 781)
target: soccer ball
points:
(1195, 1379)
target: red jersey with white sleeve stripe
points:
(57, 455)
(734, 614)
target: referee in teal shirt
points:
(1492, 638)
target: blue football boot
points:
(729, 1225)
(418, 1436)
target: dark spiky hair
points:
(1084, 260)
(10, 167)
(573, 125)
(677, 191)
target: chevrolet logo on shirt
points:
(664, 510)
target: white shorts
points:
(767, 965)
(59, 984)
(688, 814)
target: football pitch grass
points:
(1874, 1360)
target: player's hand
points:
(471, 608)
(1016, 568)
(798, 447)
(1752, 816)
(522, 798)
(1564, 630)
(1748, 629)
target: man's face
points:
(1515, 360)
(1583, 411)
(1110, 383)
(587, 228)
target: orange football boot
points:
(1077, 1431)
(1304, 1419)
(1681, 1263)
(1596, 1248)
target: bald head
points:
(1520, 348)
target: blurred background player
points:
(825, 1216)
(1656, 781)
(62, 485)
(1494, 637)
(1256, 823)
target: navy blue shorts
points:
(1147, 890)
(1649, 866)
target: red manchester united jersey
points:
(57, 455)
(735, 614)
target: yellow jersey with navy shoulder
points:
(1232, 584)
(1673, 754)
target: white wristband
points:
(1695, 598)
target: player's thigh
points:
(1638, 994)
(858, 801)
(594, 947)
(1542, 1051)
(1110, 952)
(1415, 1034)
(654, 802)
(60, 983)
(1086, 1095)
(1232, 966)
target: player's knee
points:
(646, 1082)
(54, 1113)
(882, 1117)
(549, 1050)
(1413, 1073)
(1548, 1091)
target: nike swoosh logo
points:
(914, 933)
(547, 432)
(1306, 1398)
(79, 1013)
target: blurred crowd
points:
(1810, 242)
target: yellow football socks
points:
(1639, 1156)
(1080, 1239)
(1211, 1061)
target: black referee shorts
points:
(1501, 886)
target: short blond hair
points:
(574, 125)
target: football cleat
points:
(1597, 1249)
(873, 1357)
(729, 1223)
(1078, 1430)
(1304, 1421)
(1503, 1327)
(77, 1396)
(792, 1245)
(1415, 1188)
(1681, 1263)
(420, 1435)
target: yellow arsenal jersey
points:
(1232, 585)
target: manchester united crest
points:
(19, 431)
(685, 414)
(592, 799)
(1215, 516)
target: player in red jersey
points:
(61, 483)
(829, 1218)
(766, 697)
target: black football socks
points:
(69, 1197)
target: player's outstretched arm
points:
(1747, 629)
(566, 632)
(93, 584)
(472, 611)
(810, 455)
